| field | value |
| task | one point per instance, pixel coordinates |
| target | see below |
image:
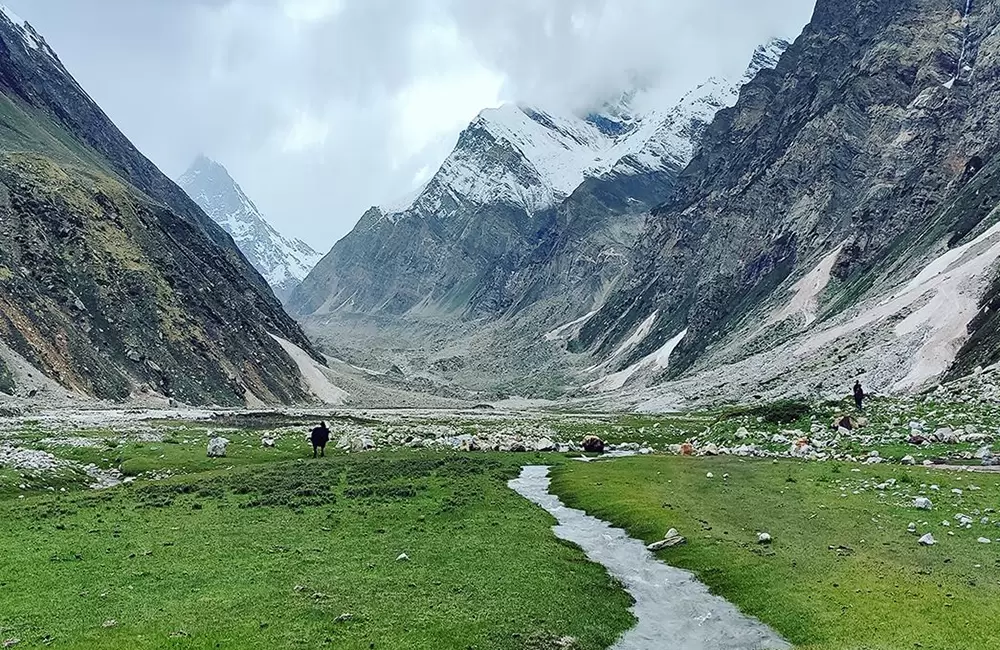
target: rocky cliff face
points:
(112, 281)
(840, 216)
(282, 261)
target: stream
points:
(673, 609)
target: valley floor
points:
(406, 535)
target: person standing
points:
(859, 395)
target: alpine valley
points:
(480, 277)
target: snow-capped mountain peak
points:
(282, 261)
(765, 56)
(31, 39)
(679, 130)
(528, 157)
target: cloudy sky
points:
(322, 108)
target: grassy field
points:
(300, 554)
(843, 572)
(270, 548)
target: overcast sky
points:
(322, 108)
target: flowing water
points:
(674, 610)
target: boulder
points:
(927, 540)
(711, 449)
(545, 445)
(217, 447)
(593, 445)
(908, 460)
(922, 503)
(946, 435)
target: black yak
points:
(320, 436)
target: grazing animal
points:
(319, 437)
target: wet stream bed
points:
(674, 610)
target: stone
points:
(709, 475)
(403, 557)
(908, 460)
(742, 433)
(544, 444)
(362, 443)
(984, 540)
(267, 442)
(911, 527)
(217, 447)
(711, 449)
(593, 445)
(927, 540)
(922, 503)
(945, 435)
(764, 538)
(672, 538)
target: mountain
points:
(283, 262)
(113, 283)
(526, 225)
(839, 222)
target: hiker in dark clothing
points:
(319, 437)
(859, 395)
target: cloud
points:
(321, 108)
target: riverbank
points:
(842, 571)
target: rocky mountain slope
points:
(282, 261)
(839, 221)
(112, 281)
(525, 226)
(481, 216)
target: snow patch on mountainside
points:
(805, 302)
(650, 364)
(566, 331)
(944, 299)
(283, 262)
(28, 35)
(312, 374)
